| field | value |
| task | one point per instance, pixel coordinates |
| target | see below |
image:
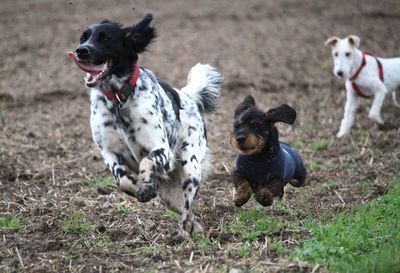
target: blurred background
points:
(273, 50)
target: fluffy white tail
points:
(394, 96)
(203, 85)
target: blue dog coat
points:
(282, 163)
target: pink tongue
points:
(87, 67)
(71, 55)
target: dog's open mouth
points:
(94, 72)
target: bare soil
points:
(271, 49)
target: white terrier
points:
(365, 75)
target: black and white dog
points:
(152, 137)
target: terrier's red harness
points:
(356, 88)
(123, 93)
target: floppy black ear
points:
(111, 22)
(283, 113)
(139, 36)
(244, 105)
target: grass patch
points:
(243, 251)
(364, 185)
(172, 214)
(332, 185)
(98, 243)
(277, 247)
(364, 240)
(203, 243)
(314, 166)
(76, 223)
(297, 143)
(12, 222)
(69, 257)
(3, 112)
(251, 224)
(124, 209)
(348, 164)
(360, 134)
(154, 249)
(281, 208)
(307, 127)
(100, 182)
(320, 145)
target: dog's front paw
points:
(342, 133)
(197, 227)
(128, 185)
(146, 192)
(377, 119)
(179, 237)
(297, 183)
(241, 195)
(264, 197)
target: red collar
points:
(122, 94)
(356, 88)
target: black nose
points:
(340, 73)
(240, 139)
(83, 52)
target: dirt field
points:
(50, 169)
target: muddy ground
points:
(271, 49)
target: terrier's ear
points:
(139, 36)
(354, 40)
(332, 41)
(283, 113)
(247, 103)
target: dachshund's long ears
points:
(247, 103)
(283, 113)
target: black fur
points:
(173, 96)
(110, 41)
(262, 161)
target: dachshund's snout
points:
(241, 139)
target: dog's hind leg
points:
(379, 97)
(300, 175)
(170, 191)
(192, 161)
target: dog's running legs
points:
(191, 162)
(349, 110)
(242, 190)
(117, 165)
(190, 186)
(300, 175)
(158, 161)
(375, 111)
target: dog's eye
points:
(253, 123)
(348, 54)
(84, 37)
(103, 37)
(335, 54)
